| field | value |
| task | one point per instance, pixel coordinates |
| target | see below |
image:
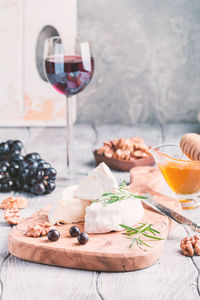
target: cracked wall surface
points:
(147, 61)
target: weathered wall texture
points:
(147, 56)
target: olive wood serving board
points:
(103, 252)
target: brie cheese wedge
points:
(68, 209)
(102, 218)
(98, 181)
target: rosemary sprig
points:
(122, 193)
(135, 234)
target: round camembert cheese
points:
(101, 218)
(99, 181)
(68, 209)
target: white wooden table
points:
(173, 277)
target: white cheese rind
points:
(68, 209)
(99, 181)
(105, 218)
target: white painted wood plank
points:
(53, 282)
(172, 277)
(5, 134)
(160, 280)
(31, 281)
(173, 133)
(51, 144)
(4, 232)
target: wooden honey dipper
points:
(190, 145)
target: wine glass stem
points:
(69, 119)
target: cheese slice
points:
(98, 181)
(68, 209)
(101, 218)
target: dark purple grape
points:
(51, 173)
(18, 158)
(37, 155)
(39, 175)
(4, 166)
(5, 163)
(74, 231)
(38, 188)
(7, 184)
(13, 169)
(24, 174)
(83, 238)
(32, 173)
(32, 166)
(26, 188)
(4, 148)
(15, 152)
(43, 166)
(53, 235)
(9, 142)
(49, 187)
(16, 145)
(31, 181)
(32, 156)
(17, 184)
(23, 166)
(40, 161)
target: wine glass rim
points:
(181, 160)
(71, 37)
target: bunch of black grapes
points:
(29, 173)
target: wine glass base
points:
(189, 201)
(72, 176)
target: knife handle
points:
(195, 227)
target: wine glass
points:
(69, 67)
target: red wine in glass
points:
(69, 74)
(69, 67)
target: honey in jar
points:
(183, 177)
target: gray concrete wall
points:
(147, 60)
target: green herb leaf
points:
(135, 233)
(123, 192)
(152, 237)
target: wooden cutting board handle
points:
(190, 145)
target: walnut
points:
(121, 143)
(125, 149)
(14, 202)
(114, 143)
(108, 144)
(38, 229)
(108, 154)
(190, 246)
(12, 216)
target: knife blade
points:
(171, 214)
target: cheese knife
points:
(171, 214)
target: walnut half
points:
(190, 246)
(14, 202)
(12, 216)
(38, 229)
